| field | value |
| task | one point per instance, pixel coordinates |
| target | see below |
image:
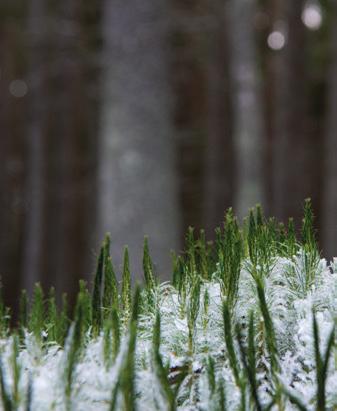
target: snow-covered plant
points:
(246, 323)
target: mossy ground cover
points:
(247, 322)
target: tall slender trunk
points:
(137, 182)
(192, 25)
(292, 165)
(71, 142)
(32, 258)
(329, 223)
(219, 164)
(12, 162)
(248, 127)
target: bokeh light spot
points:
(276, 40)
(312, 15)
(18, 88)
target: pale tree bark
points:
(248, 127)
(329, 223)
(137, 183)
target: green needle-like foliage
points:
(126, 285)
(63, 322)
(23, 309)
(111, 337)
(74, 345)
(203, 258)
(52, 317)
(231, 254)
(97, 291)
(127, 375)
(308, 232)
(229, 332)
(162, 375)
(150, 282)
(322, 363)
(249, 362)
(269, 328)
(37, 313)
(191, 252)
(193, 311)
(291, 240)
(232, 358)
(110, 294)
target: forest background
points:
(149, 116)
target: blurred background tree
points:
(149, 116)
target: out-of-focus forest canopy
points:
(148, 116)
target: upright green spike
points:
(23, 313)
(175, 270)
(269, 328)
(52, 316)
(63, 322)
(75, 341)
(221, 394)
(127, 375)
(179, 274)
(259, 216)
(126, 284)
(97, 291)
(232, 253)
(322, 363)
(110, 290)
(190, 249)
(211, 374)
(107, 343)
(159, 368)
(233, 361)
(291, 238)
(150, 281)
(37, 313)
(308, 231)
(251, 237)
(203, 263)
(111, 338)
(192, 312)
(110, 295)
(249, 362)
(86, 306)
(115, 332)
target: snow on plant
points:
(246, 323)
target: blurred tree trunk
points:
(137, 182)
(12, 163)
(72, 123)
(32, 259)
(329, 209)
(248, 127)
(60, 189)
(292, 151)
(219, 164)
(192, 25)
